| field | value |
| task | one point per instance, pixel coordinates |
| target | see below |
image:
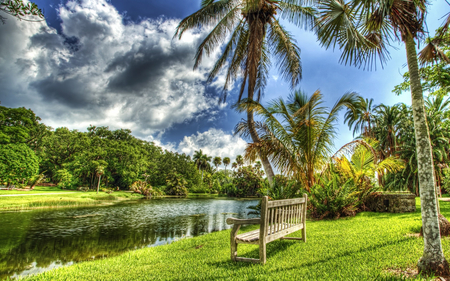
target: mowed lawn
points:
(62, 198)
(370, 246)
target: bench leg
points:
(262, 253)
(233, 243)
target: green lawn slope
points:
(370, 246)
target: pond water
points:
(36, 241)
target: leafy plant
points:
(176, 184)
(144, 188)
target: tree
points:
(17, 163)
(363, 29)
(226, 162)
(239, 160)
(296, 135)
(361, 119)
(201, 160)
(234, 165)
(22, 11)
(256, 35)
(217, 162)
(100, 170)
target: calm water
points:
(35, 241)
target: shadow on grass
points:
(280, 246)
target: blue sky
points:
(114, 63)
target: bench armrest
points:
(243, 221)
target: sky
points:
(115, 63)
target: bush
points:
(144, 188)
(65, 179)
(333, 198)
(248, 181)
(176, 184)
(201, 188)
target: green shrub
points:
(332, 198)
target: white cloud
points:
(213, 142)
(104, 72)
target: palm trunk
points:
(254, 57)
(98, 185)
(433, 257)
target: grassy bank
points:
(369, 246)
(63, 198)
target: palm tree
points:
(297, 136)
(255, 34)
(217, 162)
(361, 119)
(201, 160)
(363, 29)
(239, 160)
(99, 171)
(226, 162)
(234, 165)
(387, 120)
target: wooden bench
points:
(278, 219)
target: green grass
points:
(366, 247)
(62, 199)
(37, 189)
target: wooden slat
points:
(276, 220)
(279, 203)
(283, 233)
(243, 221)
(271, 221)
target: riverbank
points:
(52, 197)
(370, 246)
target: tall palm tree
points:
(296, 135)
(255, 34)
(217, 162)
(201, 160)
(234, 165)
(361, 119)
(363, 29)
(387, 120)
(239, 160)
(226, 162)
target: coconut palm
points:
(217, 162)
(361, 119)
(297, 135)
(226, 162)
(255, 35)
(363, 29)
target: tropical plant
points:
(248, 181)
(217, 162)
(333, 198)
(201, 160)
(363, 30)
(255, 35)
(176, 184)
(226, 162)
(361, 119)
(296, 135)
(100, 170)
(144, 188)
(239, 161)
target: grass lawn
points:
(370, 246)
(64, 198)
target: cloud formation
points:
(102, 71)
(213, 142)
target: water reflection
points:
(32, 242)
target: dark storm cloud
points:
(106, 72)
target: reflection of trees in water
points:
(77, 235)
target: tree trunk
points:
(254, 57)
(433, 259)
(98, 185)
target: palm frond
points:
(287, 53)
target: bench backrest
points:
(281, 217)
